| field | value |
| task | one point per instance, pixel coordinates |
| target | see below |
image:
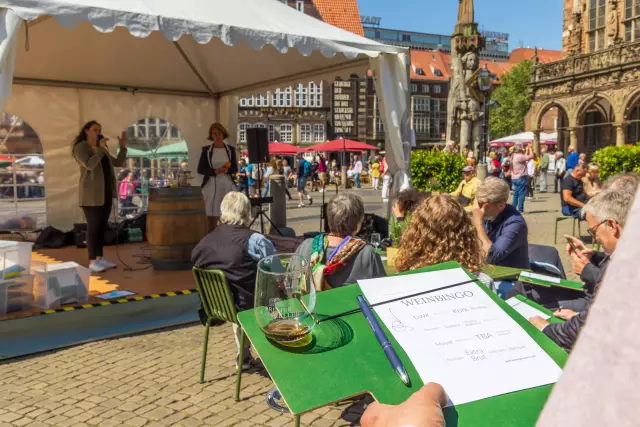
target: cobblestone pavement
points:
(152, 379)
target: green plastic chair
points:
(562, 218)
(218, 304)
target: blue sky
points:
(532, 23)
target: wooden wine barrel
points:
(176, 222)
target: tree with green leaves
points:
(514, 99)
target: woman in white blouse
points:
(218, 165)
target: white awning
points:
(199, 46)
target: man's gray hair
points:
(493, 190)
(610, 204)
(235, 209)
(345, 213)
(625, 182)
(559, 154)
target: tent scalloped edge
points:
(202, 33)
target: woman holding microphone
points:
(218, 164)
(97, 187)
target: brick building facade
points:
(596, 86)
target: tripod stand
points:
(259, 201)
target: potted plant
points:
(396, 229)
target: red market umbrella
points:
(339, 145)
(283, 149)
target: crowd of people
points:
(437, 228)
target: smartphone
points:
(100, 137)
(570, 241)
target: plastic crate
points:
(59, 284)
(15, 258)
(16, 294)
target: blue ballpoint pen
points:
(396, 364)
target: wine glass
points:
(285, 299)
(376, 240)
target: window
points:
(632, 20)
(414, 88)
(287, 97)
(272, 133)
(259, 125)
(251, 101)
(315, 95)
(278, 98)
(153, 128)
(243, 102)
(406, 38)
(164, 129)
(421, 124)
(301, 96)
(262, 100)
(175, 133)
(242, 134)
(436, 89)
(300, 5)
(425, 88)
(305, 133)
(379, 125)
(318, 132)
(597, 12)
(286, 133)
(420, 104)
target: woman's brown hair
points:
(440, 230)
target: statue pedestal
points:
(482, 171)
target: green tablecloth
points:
(346, 360)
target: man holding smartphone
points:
(606, 215)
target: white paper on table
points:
(459, 337)
(542, 277)
(525, 309)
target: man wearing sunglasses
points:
(605, 214)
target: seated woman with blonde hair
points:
(440, 231)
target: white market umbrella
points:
(30, 161)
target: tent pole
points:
(193, 68)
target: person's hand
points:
(565, 313)
(221, 171)
(478, 212)
(422, 409)
(538, 322)
(579, 261)
(122, 140)
(586, 252)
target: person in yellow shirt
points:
(375, 172)
(466, 191)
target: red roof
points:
(430, 62)
(544, 56)
(341, 13)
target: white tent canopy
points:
(184, 61)
(524, 138)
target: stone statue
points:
(463, 111)
(612, 22)
(465, 12)
(575, 45)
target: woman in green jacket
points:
(97, 187)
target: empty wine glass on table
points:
(376, 240)
(285, 306)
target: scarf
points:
(323, 266)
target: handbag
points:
(80, 235)
(463, 200)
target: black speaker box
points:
(258, 145)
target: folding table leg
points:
(296, 421)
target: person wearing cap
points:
(218, 164)
(466, 191)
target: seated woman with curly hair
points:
(440, 230)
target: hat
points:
(467, 169)
(221, 128)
